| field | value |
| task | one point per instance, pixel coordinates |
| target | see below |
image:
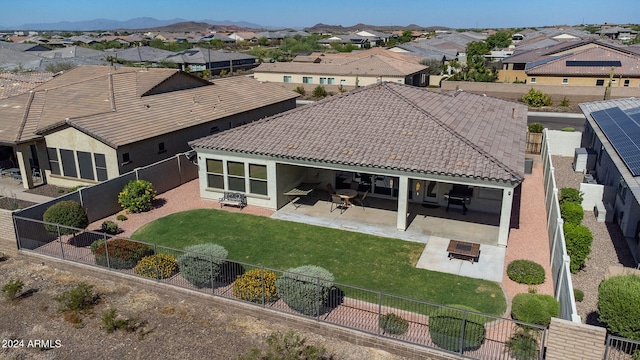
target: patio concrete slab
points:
(488, 267)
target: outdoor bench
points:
(231, 198)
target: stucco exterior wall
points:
(581, 81)
(563, 143)
(349, 80)
(509, 76)
(8, 241)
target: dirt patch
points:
(9, 203)
(174, 326)
(48, 190)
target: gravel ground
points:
(48, 190)
(609, 247)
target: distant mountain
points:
(132, 24)
(324, 28)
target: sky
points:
(306, 13)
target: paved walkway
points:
(14, 189)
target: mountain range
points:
(137, 23)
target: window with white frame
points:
(323, 81)
(215, 174)
(600, 82)
(54, 163)
(77, 164)
(239, 175)
(286, 78)
(235, 176)
(331, 81)
(343, 82)
(258, 179)
(565, 81)
(533, 80)
(626, 83)
(307, 80)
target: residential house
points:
(376, 38)
(342, 72)
(94, 123)
(617, 32)
(22, 47)
(394, 139)
(353, 39)
(139, 54)
(200, 59)
(215, 36)
(16, 83)
(612, 130)
(247, 36)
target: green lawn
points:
(363, 260)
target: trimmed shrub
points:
(578, 239)
(319, 92)
(250, 286)
(571, 212)
(618, 299)
(534, 308)
(525, 272)
(536, 128)
(393, 324)
(200, 265)
(123, 253)
(523, 345)
(570, 195)
(121, 217)
(158, 266)
(66, 213)
(578, 295)
(446, 326)
(536, 98)
(300, 90)
(110, 227)
(305, 288)
(137, 196)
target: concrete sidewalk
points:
(12, 189)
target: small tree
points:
(618, 299)
(137, 196)
(300, 90)
(536, 98)
(319, 92)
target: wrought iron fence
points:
(451, 329)
(619, 348)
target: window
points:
(161, 148)
(258, 179)
(622, 189)
(54, 164)
(399, 81)
(85, 165)
(331, 81)
(101, 167)
(565, 81)
(286, 78)
(600, 82)
(215, 176)
(235, 176)
(600, 154)
(307, 80)
(626, 83)
(323, 81)
(343, 82)
(68, 163)
(533, 80)
(126, 159)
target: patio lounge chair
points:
(337, 202)
(360, 200)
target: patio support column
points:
(22, 153)
(505, 216)
(403, 198)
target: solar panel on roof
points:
(615, 63)
(623, 132)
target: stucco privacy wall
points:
(575, 94)
(572, 341)
(563, 143)
(8, 239)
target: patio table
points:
(303, 189)
(347, 195)
(463, 250)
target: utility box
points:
(528, 165)
(584, 159)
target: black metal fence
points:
(450, 329)
(619, 348)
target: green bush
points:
(618, 299)
(578, 239)
(536, 128)
(200, 264)
(578, 295)
(525, 272)
(288, 346)
(568, 129)
(11, 288)
(137, 196)
(110, 227)
(67, 213)
(393, 324)
(565, 102)
(534, 308)
(446, 325)
(305, 288)
(536, 98)
(112, 322)
(121, 217)
(300, 90)
(571, 212)
(253, 284)
(570, 195)
(78, 299)
(123, 253)
(319, 92)
(523, 345)
(158, 266)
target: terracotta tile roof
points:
(127, 105)
(372, 65)
(393, 126)
(558, 66)
(12, 84)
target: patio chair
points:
(354, 185)
(36, 173)
(337, 202)
(360, 200)
(330, 189)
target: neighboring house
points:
(23, 47)
(94, 123)
(345, 71)
(348, 39)
(612, 130)
(376, 38)
(12, 84)
(280, 35)
(617, 32)
(200, 59)
(72, 52)
(139, 54)
(400, 134)
(249, 37)
(224, 39)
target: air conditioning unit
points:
(603, 212)
(584, 159)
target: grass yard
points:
(368, 261)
